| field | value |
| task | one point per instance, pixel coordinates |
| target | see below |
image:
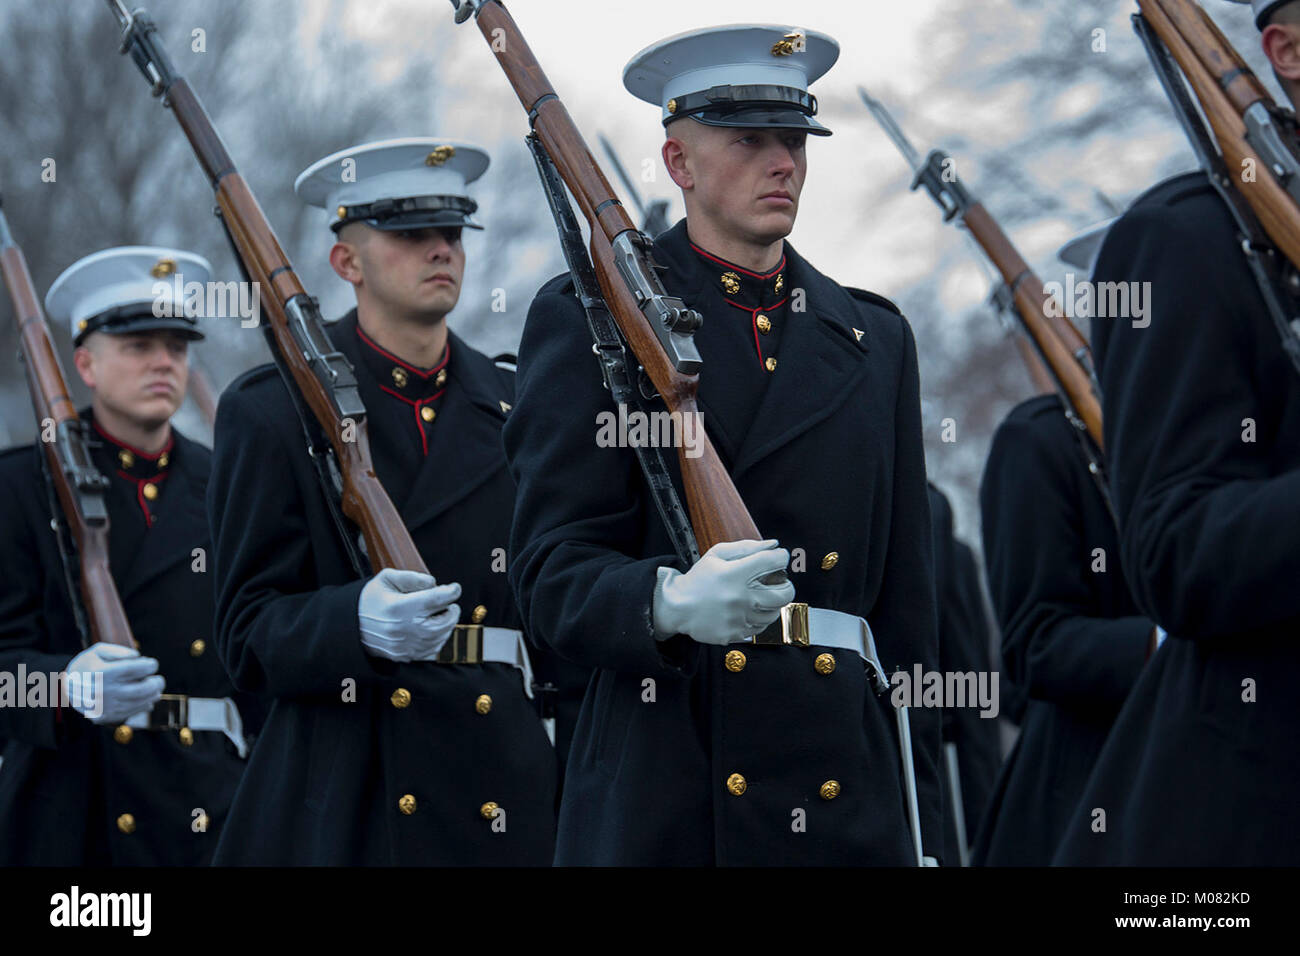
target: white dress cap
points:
(414, 183)
(127, 289)
(742, 75)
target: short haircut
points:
(1288, 13)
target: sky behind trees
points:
(1049, 127)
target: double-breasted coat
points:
(693, 754)
(72, 792)
(365, 760)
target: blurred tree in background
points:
(285, 84)
(1053, 124)
(1055, 121)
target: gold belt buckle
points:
(465, 646)
(175, 710)
(791, 628)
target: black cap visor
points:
(119, 322)
(754, 106)
(418, 212)
(759, 118)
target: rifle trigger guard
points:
(644, 385)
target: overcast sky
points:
(584, 47)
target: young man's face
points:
(413, 273)
(141, 376)
(746, 181)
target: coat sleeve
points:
(278, 632)
(580, 580)
(1206, 519)
(1054, 642)
(904, 618)
(23, 637)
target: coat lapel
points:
(465, 445)
(182, 525)
(821, 362)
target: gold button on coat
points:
(440, 379)
(123, 734)
(187, 737)
(764, 324)
(488, 810)
(830, 560)
(483, 704)
(197, 647)
(406, 803)
(480, 613)
(126, 458)
(163, 460)
(825, 663)
(736, 784)
(126, 823)
(150, 492)
(401, 698)
(399, 377)
(770, 365)
(735, 661)
(830, 790)
(427, 413)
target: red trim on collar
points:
(446, 354)
(415, 409)
(171, 440)
(731, 265)
(141, 500)
(417, 402)
(753, 316)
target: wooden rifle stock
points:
(1226, 89)
(716, 510)
(78, 486)
(1057, 340)
(1060, 358)
(292, 313)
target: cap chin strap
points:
(388, 208)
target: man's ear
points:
(345, 262)
(1281, 44)
(84, 361)
(674, 153)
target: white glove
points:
(720, 599)
(107, 683)
(406, 615)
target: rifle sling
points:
(319, 449)
(67, 549)
(612, 354)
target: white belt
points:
(802, 625)
(177, 711)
